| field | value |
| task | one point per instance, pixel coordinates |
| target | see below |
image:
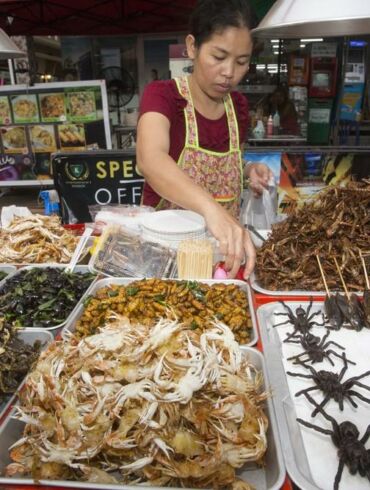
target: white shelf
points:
(26, 183)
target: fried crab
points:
(133, 404)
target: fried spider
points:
(315, 350)
(332, 386)
(346, 437)
(302, 321)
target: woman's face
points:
(222, 61)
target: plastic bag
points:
(260, 212)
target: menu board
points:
(42, 119)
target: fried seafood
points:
(134, 404)
(193, 303)
(335, 225)
(36, 239)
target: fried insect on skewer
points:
(366, 303)
(331, 308)
(349, 304)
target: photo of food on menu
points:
(25, 109)
(82, 106)
(72, 136)
(5, 116)
(52, 107)
(14, 139)
(42, 138)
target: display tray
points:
(84, 269)
(29, 336)
(294, 292)
(7, 269)
(310, 457)
(269, 477)
(124, 281)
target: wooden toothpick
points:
(323, 275)
(341, 278)
(365, 271)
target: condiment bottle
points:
(270, 126)
(276, 123)
(259, 130)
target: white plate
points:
(173, 222)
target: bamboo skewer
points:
(323, 275)
(341, 278)
(365, 271)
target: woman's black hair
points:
(214, 16)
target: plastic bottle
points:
(259, 130)
(276, 123)
(269, 126)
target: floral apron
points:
(218, 173)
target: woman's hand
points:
(234, 240)
(259, 176)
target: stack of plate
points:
(170, 227)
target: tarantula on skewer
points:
(314, 350)
(346, 437)
(332, 386)
(301, 320)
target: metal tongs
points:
(79, 249)
(253, 230)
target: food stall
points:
(167, 329)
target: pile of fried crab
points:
(36, 239)
(135, 404)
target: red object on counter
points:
(238, 276)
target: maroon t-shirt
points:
(163, 97)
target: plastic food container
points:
(83, 269)
(269, 477)
(102, 283)
(123, 254)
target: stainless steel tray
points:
(296, 444)
(294, 292)
(124, 281)
(29, 336)
(84, 269)
(269, 477)
(8, 269)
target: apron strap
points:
(232, 123)
(191, 137)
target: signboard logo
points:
(77, 171)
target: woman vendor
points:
(191, 130)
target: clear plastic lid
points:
(122, 253)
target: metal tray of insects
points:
(269, 476)
(295, 292)
(29, 337)
(230, 301)
(310, 456)
(50, 300)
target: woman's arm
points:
(170, 182)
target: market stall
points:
(198, 339)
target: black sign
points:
(95, 178)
